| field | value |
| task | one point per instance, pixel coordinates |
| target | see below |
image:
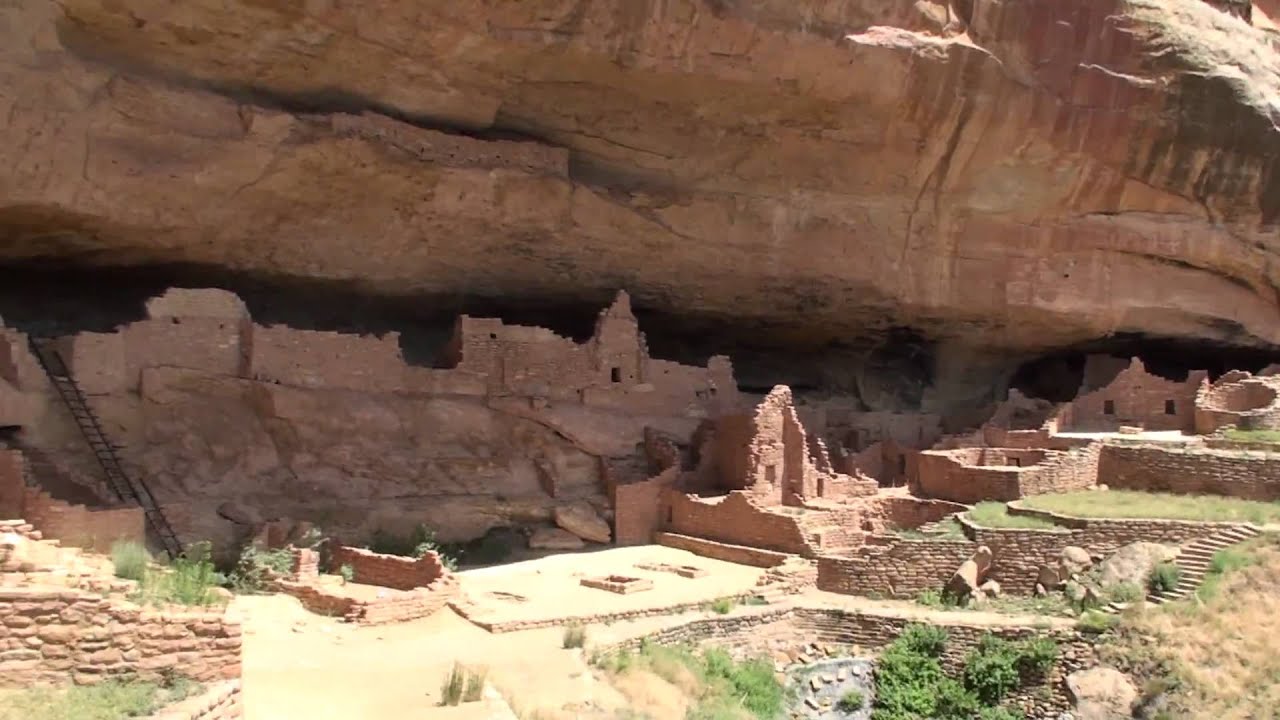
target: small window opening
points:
(1017, 462)
(176, 321)
(493, 336)
(1170, 408)
(1109, 407)
(671, 515)
(902, 464)
(615, 374)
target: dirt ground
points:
(300, 665)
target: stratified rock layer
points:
(1011, 174)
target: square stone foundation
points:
(620, 584)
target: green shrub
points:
(752, 682)
(256, 567)
(991, 670)
(722, 606)
(575, 636)
(131, 560)
(1036, 655)
(928, 640)
(107, 700)
(851, 702)
(347, 572)
(1124, 593)
(1095, 622)
(1164, 578)
(188, 580)
(930, 598)
(999, 713)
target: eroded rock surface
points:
(1015, 175)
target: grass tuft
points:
(1167, 506)
(108, 700)
(1164, 578)
(575, 636)
(131, 560)
(996, 515)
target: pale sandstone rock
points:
(1074, 560)
(991, 589)
(554, 539)
(1049, 577)
(1133, 563)
(937, 227)
(967, 580)
(1101, 693)
(583, 521)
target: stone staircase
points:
(37, 561)
(1194, 562)
(1195, 559)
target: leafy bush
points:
(1096, 622)
(256, 567)
(752, 682)
(347, 572)
(575, 636)
(1037, 655)
(107, 700)
(131, 560)
(851, 702)
(999, 713)
(722, 606)
(1164, 578)
(991, 670)
(1124, 592)
(929, 640)
(188, 580)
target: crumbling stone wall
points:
(219, 701)
(729, 552)
(641, 508)
(903, 568)
(1138, 398)
(12, 484)
(971, 475)
(391, 571)
(1191, 471)
(76, 525)
(735, 519)
(58, 635)
(1240, 400)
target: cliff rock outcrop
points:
(996, 174)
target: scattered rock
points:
(582, 520)
(966, 582)
(239, 514)
(1133, 563)
(990, 589)
(1101, 693)
(1049, 578)
(1074, 560)
(554, 539)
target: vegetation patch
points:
(109, 700)
(1212, 655)
(1165, 506)
(190, 579)
(911, 684)
(949, 529)
(462, 684)
(1164, 578)
(996, 515)
(257, 566)
(719, 688)
(1252, 436)
(575, 636)
(131, 560)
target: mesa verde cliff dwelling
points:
(628, 359)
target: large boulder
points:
(1133, 563)
(966, 583)
(1073, 561)
(554, 539)
(1049, 577)
(1101, 693)
(582, 520)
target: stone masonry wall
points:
(1190, 471)
(640, 507)
(79, 526)
(904, 568)
(60, 635)
(728, 552)
(972, 475)
(1135, 397)
(12, 484)
(401, 573)
(733, 518)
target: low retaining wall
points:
(514, 625)
(52, 635)
(902, 568)
(1202, 472)
(392, 571)
(740, 554)
(874, 630)
(220, 701)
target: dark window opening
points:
(175, 321)
(902, 464)
(616, 374)
(493, 336)
(1170, 408)
(1109, 407)
(671, 515)
(1017, 462)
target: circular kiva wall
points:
(1249, 405)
